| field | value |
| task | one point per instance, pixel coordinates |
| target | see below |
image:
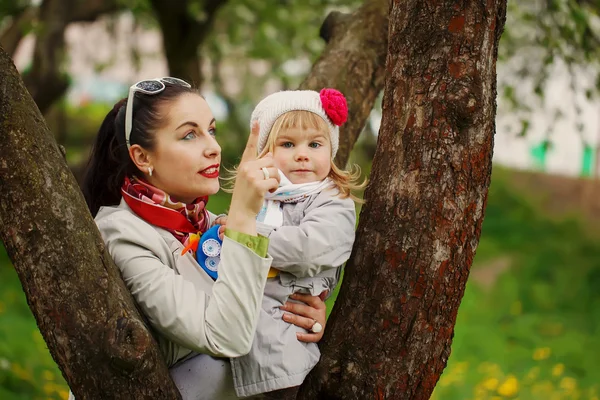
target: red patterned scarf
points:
(158, 208)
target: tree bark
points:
(82, 307)
(354, 63)
(422, 220)
(183, 34)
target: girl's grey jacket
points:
(308, 250)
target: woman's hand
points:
(305, 314)
(251, 184)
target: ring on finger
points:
(317, 327)
(265, 172)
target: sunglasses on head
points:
(148, 86)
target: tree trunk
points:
(46, 80)
(17, 29)
(82, 307)
(183, 34)
(421, 224)
(354, 63)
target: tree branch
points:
(354, 63)
(46, 81)
(15, 32)
(180, 39)
(335, 21)
(91, 10)
(183, 34)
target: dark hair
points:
(109, 161)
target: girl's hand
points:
(250, 186)
(305, 314)
(223, 222)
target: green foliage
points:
(540, 36)
(11, 8)
(274, 30)
(560, 28)
(142, 11)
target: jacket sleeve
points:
(222, 324)
(323, 240)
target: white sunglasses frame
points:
(134, 88)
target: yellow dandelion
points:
(21, 372)
(64, 394)
(542, 353)
(510, 387)
(568, 384)
(558, 369)
(47, 375)
(491, 384)
(48, 388)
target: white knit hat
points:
(329, 104)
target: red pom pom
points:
(335, 106)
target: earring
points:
(150, 171)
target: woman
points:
(154, 164)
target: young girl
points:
(309, 221)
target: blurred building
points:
(561, 136)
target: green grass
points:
(26, 369)
(534, 334)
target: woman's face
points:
(186, 157)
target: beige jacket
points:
(189, 311)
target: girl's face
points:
(303, 155)
(186, 157)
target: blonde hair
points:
(345, 181)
